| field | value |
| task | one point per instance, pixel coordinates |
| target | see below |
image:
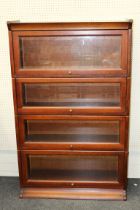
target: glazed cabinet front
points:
(82, 53)
(73, 169)
(71, 96)
(72, 132)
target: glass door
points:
(63, 132)
(70, 53)
(73, 168)
(71, 96)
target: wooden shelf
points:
(73, 138)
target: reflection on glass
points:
(72, 131)
(70, 52)
(73, 167)
(72, 94)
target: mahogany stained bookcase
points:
(71, 88)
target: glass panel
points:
(73, 167)
(72, 131)
(70, 52)
(72, 94)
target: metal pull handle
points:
(71, 146)
(72, 184)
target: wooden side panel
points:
(11, 53)
(129, 51)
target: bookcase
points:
(71, 88)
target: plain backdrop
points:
(64, 11)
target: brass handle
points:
(69, 72)
(72, 184)
(70, 110)
(71, 146)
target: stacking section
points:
(71, 89)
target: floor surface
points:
(9, 199)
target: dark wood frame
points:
(72, 73)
